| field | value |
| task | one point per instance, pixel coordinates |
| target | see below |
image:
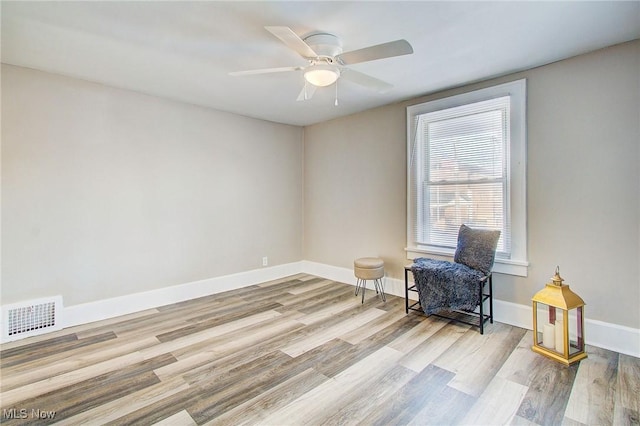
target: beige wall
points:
(108, 192)
(355, 189)
(583, 183)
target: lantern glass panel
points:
(576, 339)
(545, 325)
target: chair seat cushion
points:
(444, 285)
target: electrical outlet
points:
(265, 261)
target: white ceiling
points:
(185, 50)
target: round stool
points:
(369, 268)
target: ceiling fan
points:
(327, 62)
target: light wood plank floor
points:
(304, 350)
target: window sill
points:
(501, 266)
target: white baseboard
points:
(618, 338)
(614, 337)
(625, 340)
(123, 305)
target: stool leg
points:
(357, 286)
(364, 289)
(384, 299)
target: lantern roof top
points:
(558, 295)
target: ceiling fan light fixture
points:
(321, 75)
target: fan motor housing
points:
(324, 44)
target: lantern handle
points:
(557, 279)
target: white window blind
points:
(463, 178)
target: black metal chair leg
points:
(491, 298)
(406, 291)
(481, 286)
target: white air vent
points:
(30, 318)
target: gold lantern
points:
(560, 332)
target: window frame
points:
(517, 263)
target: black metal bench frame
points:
(476, 319)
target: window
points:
(466, 164)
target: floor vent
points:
(20, 320)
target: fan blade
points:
(265, 71)
(365, 80)
(380, 51)
(291, 39)
(307, 92)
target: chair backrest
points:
(477, 248)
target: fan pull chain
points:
(336, 102)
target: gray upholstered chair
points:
(455, 290)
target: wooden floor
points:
(304, 350)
